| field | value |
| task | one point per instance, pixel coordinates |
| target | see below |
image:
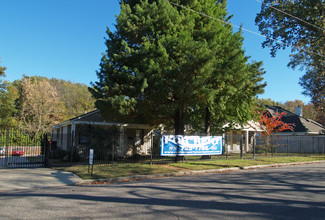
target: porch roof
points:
(249, 126)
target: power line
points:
(250, 31)
(299, 19)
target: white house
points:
(234, 134)
(130, 139)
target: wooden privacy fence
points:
(313, 144)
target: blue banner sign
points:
(172, 145)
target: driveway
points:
(293, 192)
(26, 178)
(15, 162)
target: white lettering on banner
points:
(191, 145)
(197, 140)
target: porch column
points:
(73, 135)
(121, 140)
(230, 142)
(247, 141)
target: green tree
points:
(39, 108)
(233, 82)
(292, 105)
(304, 32)
(75, 98)
(7, 102)
(263, 102)
(164, 64)
(309, 112)
(2, 70)
(147, 73)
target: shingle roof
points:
(302, 125)
(93, 116)
(96, 118)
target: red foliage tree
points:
(271, 125)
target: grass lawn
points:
(117, 170)
(129, 169)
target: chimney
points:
(299, 111)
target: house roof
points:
(96, 118)
(302, 125)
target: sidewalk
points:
(26, 178)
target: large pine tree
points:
(167, 64)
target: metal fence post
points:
(287, 145)
(45, 150)
(226, 144)
(151, 151)
(113, 151)
(71, 159)
(241, 146)
(6, 147)
(254, 146)
(324, 146)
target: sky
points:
(64, 39)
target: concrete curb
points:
(186, 173)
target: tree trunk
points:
(179, 122)
(207, 129)
(179, 130)
(267, 145)
(207, 122)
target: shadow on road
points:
(277, 193)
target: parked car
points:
(2, 151)
(17, 152)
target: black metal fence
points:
(108, 147)
(19, 149)
(107, 150)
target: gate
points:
(18, 149)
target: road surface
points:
(293, 192)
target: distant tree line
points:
(37, 103)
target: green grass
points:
(129, 169)
(116, 170)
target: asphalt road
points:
(293, 192)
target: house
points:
(306, 136)
(236, 135)
(306, 133)
(91, 130)
(303, 126)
